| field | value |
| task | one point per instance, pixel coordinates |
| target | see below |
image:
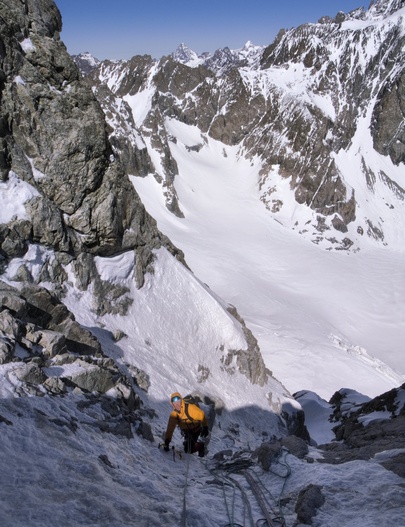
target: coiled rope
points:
(244, 467)
(273, 516)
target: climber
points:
(192, 422)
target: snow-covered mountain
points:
(139, 256)
(320, 116)
(187, 56)
(296, 140)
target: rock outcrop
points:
(54, 142)
(365, 430)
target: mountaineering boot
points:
(200, 449)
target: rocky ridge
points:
(369, 428)
(55, 143)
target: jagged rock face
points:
(53, 136)
(297, 109)
(250, 362)
(388, 129)
(313, 136)
(365, 429)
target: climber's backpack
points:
(190, 399)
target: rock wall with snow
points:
(55, 149)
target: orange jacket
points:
(197, 419)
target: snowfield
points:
(323, 319)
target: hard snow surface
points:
(323, 319)
(68, 473)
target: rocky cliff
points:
(55, 142)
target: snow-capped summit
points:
(251, 53)
(187, 56)
(86, 62)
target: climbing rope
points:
(184, 511)
(262, 490)
(222, 472)
(259, 496)
(229, 513)
(244, 467)
(227, 480)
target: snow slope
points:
(176, 329)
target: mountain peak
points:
(187, 56)
(86, 62)
(222, 60)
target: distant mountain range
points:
(218, 62)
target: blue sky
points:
(121, 29)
